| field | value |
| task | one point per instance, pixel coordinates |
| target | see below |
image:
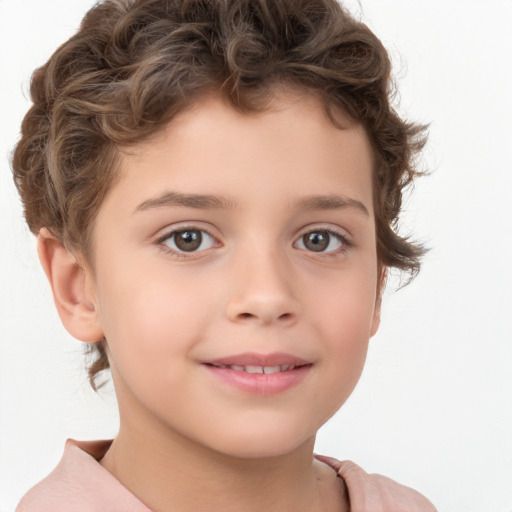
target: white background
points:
(433, 409)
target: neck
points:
(164, 470)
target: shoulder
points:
(80, 483)
(377, 493)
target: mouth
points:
(260, 374)
(255, 369)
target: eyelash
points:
(346, 243)
(183, 229)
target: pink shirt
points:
(80, 484)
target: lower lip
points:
(260, 383)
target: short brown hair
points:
(135, 64)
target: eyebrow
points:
(211, 202)
(331, 202)
(200, 201)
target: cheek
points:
(148, 331)
(149, 315)
(345, 305)
(344, 317)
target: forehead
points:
(285, 113)
(211, 137)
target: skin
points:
(253, 286)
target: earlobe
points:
(375, 320)
(68, 280)
(378, 301)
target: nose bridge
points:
(262, 288)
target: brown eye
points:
(188, 240)
(321, 241)
(316, 241)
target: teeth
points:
(254, 369)
(258, 369)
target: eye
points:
(321, 240)
(188, 240)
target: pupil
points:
(317, 241)
(188, 240)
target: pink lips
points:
(260, 374)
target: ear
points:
(71, 286)
(378, 300)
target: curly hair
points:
(134, 65)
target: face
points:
(235, 276)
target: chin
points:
(258, 443)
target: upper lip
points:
(255, 359)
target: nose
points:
(262, 292)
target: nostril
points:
(262, 314)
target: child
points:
(214, 187)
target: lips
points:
(264, 360)
(261, 374)
(259, 369)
